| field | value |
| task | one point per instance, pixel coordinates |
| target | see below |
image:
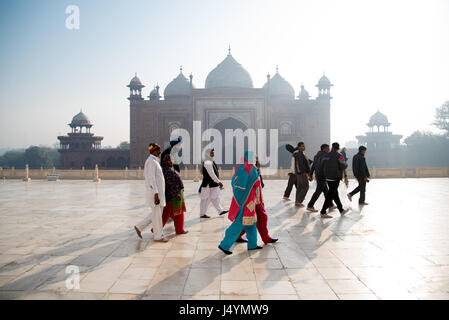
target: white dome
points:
(378, 119)
(229, 74)
(324, 82)
(135, 81)
(179, 87)
(80, 119)
(279, 87)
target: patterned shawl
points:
(245, 186)
(173, 181)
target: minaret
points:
(135, 89)
(324, 88)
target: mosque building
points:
(229, 100)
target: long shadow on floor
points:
(118, 245)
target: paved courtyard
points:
(397, 247)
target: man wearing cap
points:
(210, 187)
(155, 194)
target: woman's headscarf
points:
(207, 155)
(244, 177)
(173, 181)
(249, 160)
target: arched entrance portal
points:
(230, 123)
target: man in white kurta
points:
(154, 194)
(210, 187)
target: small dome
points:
(303, 94)
(279, 87)
(154, 94)
(135, 82)
(80, 119)
(229, 74)
(324, 82)
(179, 87)
(378, 119)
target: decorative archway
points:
(233, 124)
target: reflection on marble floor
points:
(397, 247)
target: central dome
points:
(229, 74)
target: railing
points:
(190, 174)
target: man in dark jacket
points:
(331, 168)
(361, 173)
(321, 185)
(302, 171)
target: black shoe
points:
(205, 216)
(256, 248)
(241, 240)
(223, 212)
(225, 251)
(273, 240)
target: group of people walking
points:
(329, 167)
(164, 191)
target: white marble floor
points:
(397, 247)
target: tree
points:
(13, 158)
(442, 117)
(426, 149)
(53, 154)
(37, 157)
(124, 145)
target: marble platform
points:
(397, 247)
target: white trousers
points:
(209, 195)
(154, 216)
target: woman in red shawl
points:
(246, 190)
(174, 195)
(262, 217)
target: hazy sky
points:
(386, 55)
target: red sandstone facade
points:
(81, 148)
(229, 101)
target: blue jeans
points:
(234, 230)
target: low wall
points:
(192, 174)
